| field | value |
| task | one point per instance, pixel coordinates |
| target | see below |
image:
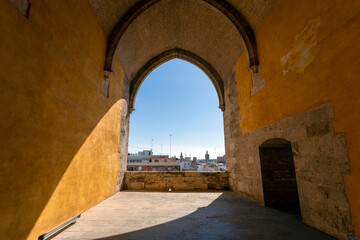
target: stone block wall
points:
(320, 159)
(177, 181)
(232, 118)
(123, 146)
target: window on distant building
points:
(156, 160)
(165, 160)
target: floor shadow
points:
(229, 217)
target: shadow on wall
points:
(71, 154)
(95, 164)
(58, 133)
(229, 217)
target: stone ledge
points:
(177, 181)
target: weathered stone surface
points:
(110, 12)
(105, 87)
(186, 24)
(257, 82)
(232, 119)
(22, 5)
(318, 128)
(177, 181)
(123, 145)
(320, 161)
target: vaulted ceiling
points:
(110, 12)
(139, 30)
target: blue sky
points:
(177, 98)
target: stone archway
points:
(181, 54)
(207, 34)
(243, 27)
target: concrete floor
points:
(186, 215)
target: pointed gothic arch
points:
(246, 32)
(167, 56)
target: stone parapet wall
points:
(177, 181)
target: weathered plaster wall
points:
(308, 57)
(177, 181)
(59, 134)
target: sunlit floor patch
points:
(186, 215)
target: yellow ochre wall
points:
(59, 134)
(309, 54)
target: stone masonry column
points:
(124, 134)
(123, 144)
(232, 128)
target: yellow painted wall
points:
(59, 134)
(309, 55)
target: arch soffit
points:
(246, 32)
(167, 56)
(275, 142)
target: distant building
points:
(146, 161)
(194, 164)
(205, 168)
(146, 153)
(221, 167)
(207, 156)
(200, 160)
(155, 163)
(143, 156)
(221, 159)
(186, 164)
